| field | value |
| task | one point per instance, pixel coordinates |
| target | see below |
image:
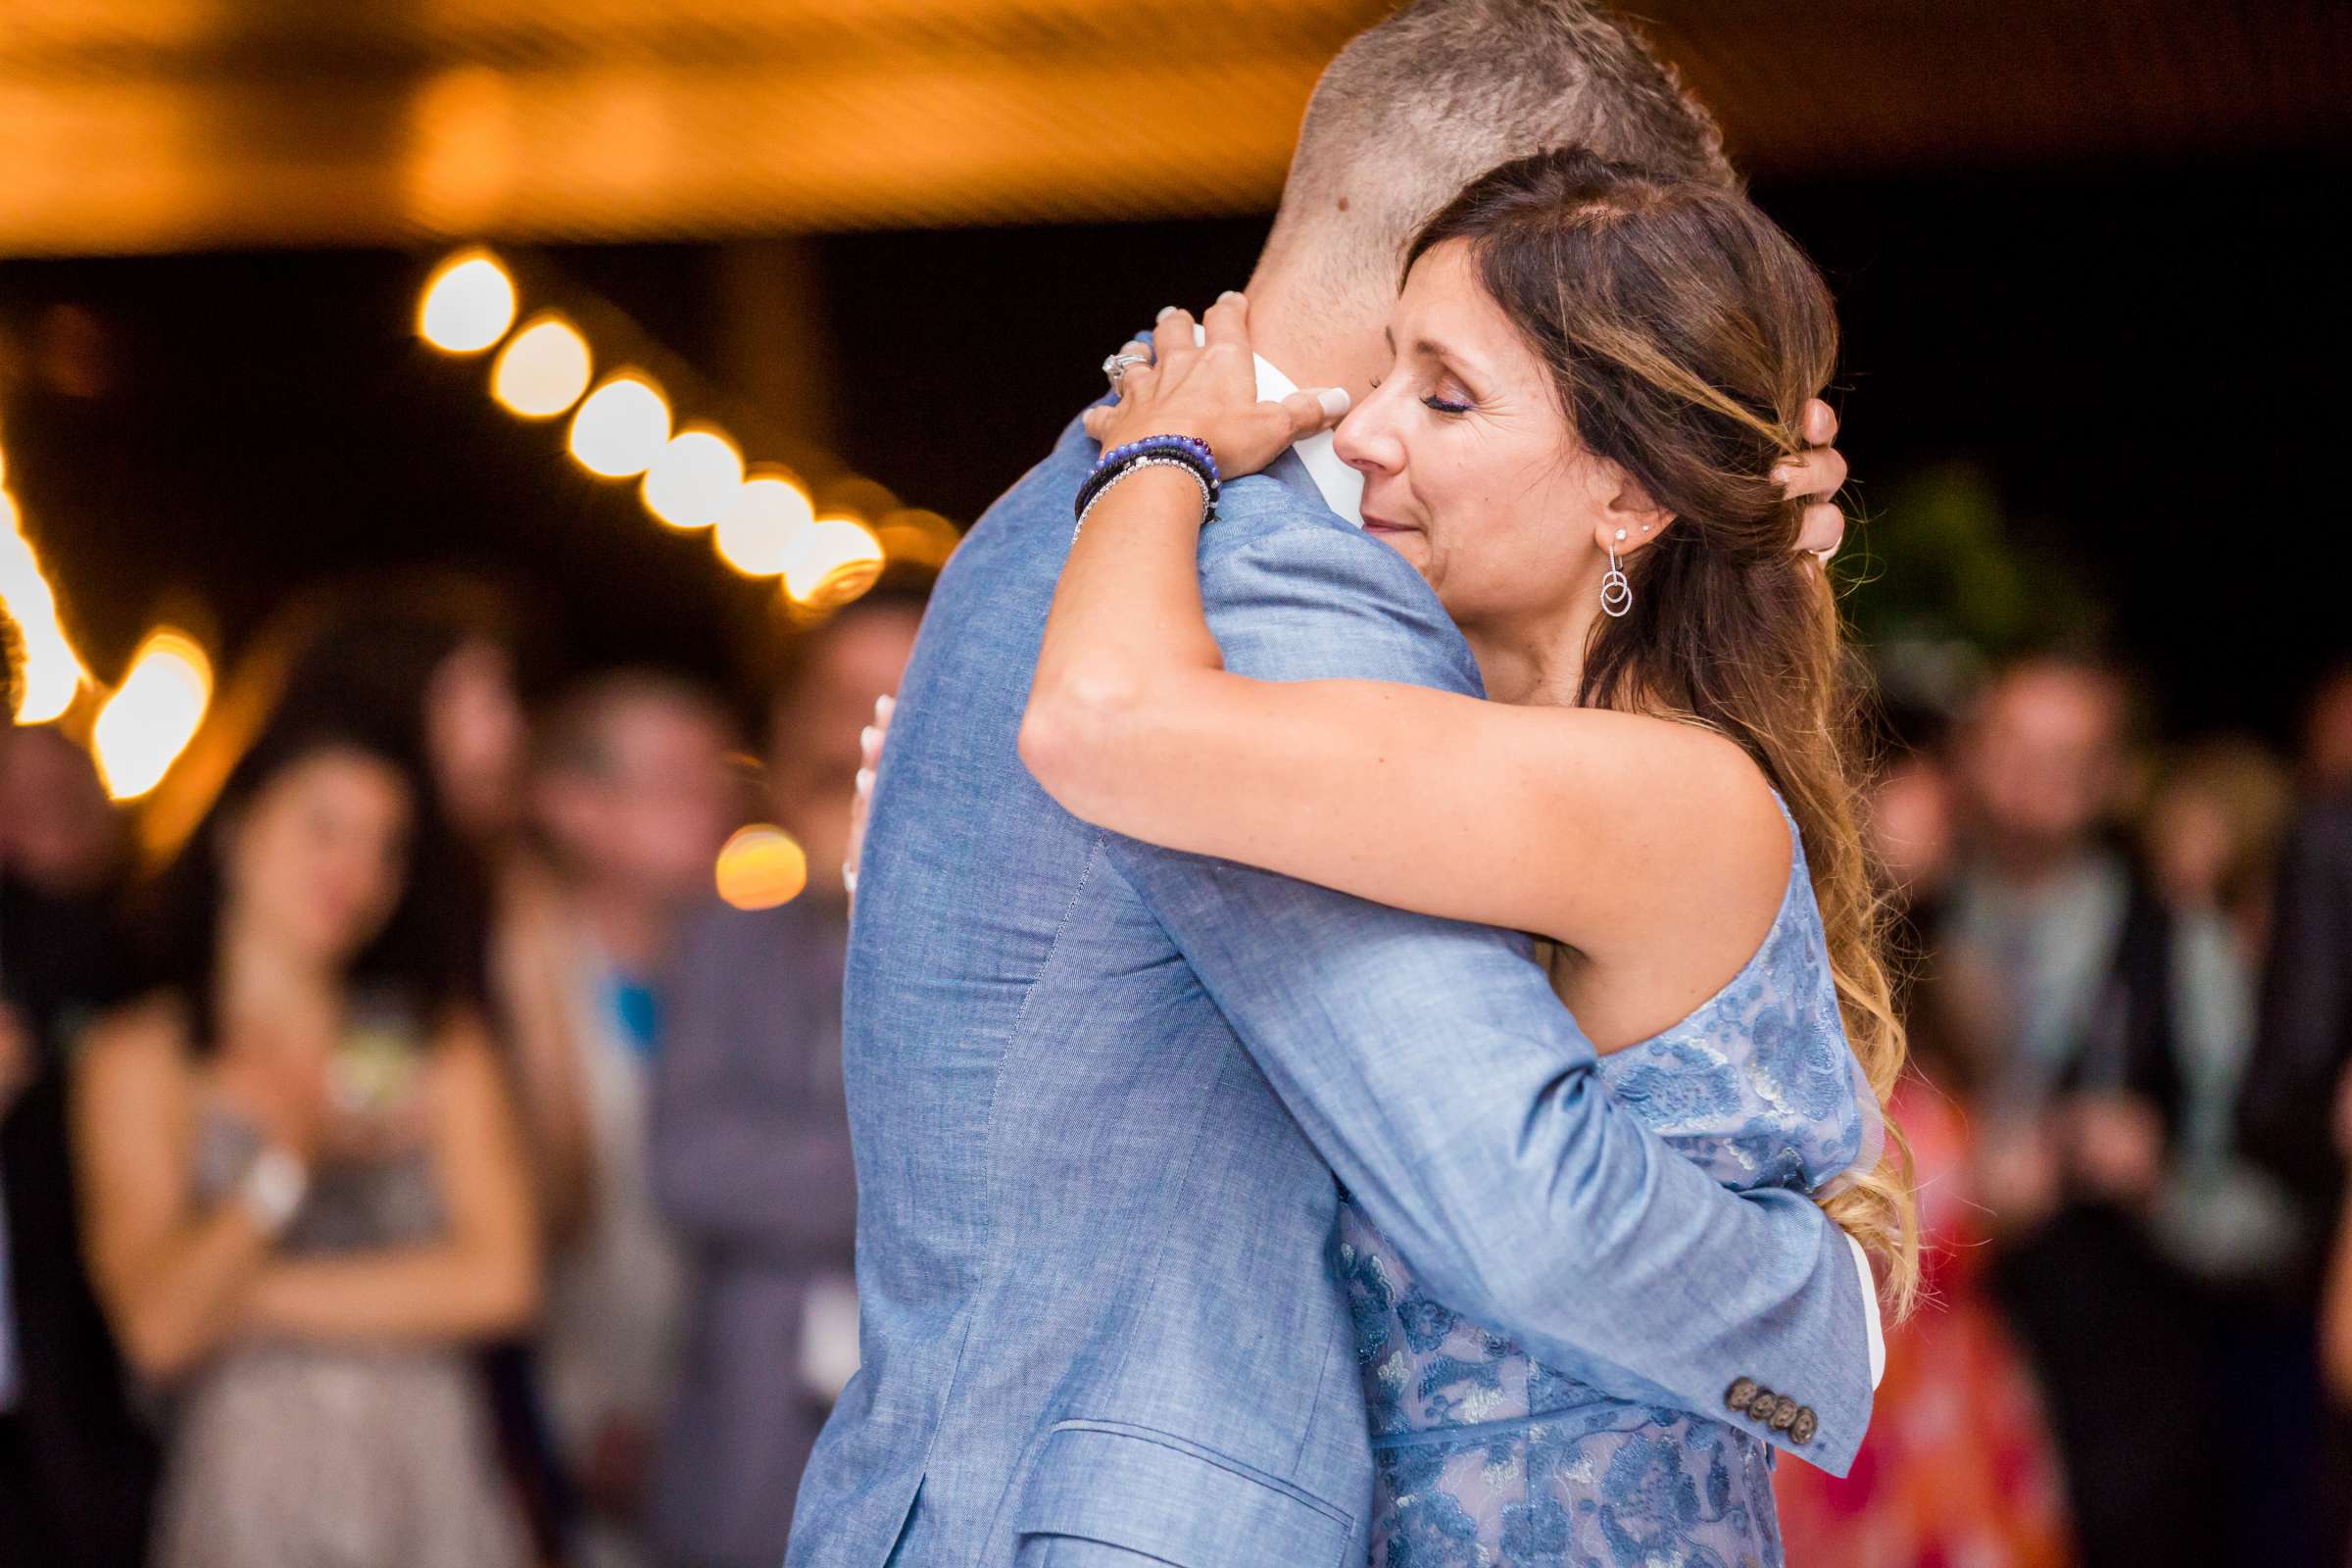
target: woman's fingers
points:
(1821, 531)
(1312, 412)
(1820, 426)
(1814, 475)
(1228, 321)
(1172, 339)
(1097, 419)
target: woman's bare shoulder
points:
(147, 1033)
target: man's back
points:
(1092, 1228)
(1077, 1195)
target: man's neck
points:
(633, 930)
(1318, 342)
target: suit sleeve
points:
(2305, 1039)
(1457, 1100)
(735, 1167)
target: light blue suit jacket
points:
(1099, 1093)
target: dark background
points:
(2136, 367)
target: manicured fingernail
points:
(885, 705)
(869, 738)
(1781, 476)
(1165, 310)
(1232, 296)
(1334, 400)
(865, 780)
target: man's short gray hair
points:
(1419, 105)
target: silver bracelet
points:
(273, 1188)
(1135, 467)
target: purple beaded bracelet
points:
(1189, 452)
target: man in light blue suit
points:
(1104, 1096)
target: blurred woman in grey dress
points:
(305, 1197)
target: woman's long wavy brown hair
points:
(1686, 333)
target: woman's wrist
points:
(1190, 454)
(272, 1188)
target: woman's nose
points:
(1364, 439)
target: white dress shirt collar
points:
(1343, 488)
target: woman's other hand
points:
(282, 1092)
(1208, 390)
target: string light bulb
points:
(835, 561)
(694, 479)
(143, 727)
(468, 304)
(52, 675)
(621, 429)
(543, 370)
(758, 532)
(760, 867)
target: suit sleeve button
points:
(1784, 1413)
(1803, 1426)
(1740, 1394)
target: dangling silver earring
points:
(1616, 594)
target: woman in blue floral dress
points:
(1595, 442)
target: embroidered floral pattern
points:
(1488, 1461)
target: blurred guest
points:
(2303, 1048)
(633, 793)
(2328, 736)
(751, 1135)
(2212, 834)
(1959, 1465)
(304, 1195)
(435, 657)
(77, 1464)
(1913, 828)
(2057, 972)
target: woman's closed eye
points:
(1437, 403)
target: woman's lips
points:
(1373, 524)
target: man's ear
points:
(1629, 517)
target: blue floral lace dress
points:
(1486, 1459)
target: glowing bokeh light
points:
(760, 867)
(543, 372)
(621, 429)
(149, 720)
(833, 562)
(694, 480)
(758, 533)
(917, 537)
(468, 304)
(52, 674)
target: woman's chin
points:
(1406, 542)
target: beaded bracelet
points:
(1190, 451)
(1133, 466)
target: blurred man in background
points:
(75, 1466)
(633, 793)
(2057, 966)
(2304, 1049)
(752, 1157)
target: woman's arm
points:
(551, 1098)
(172, 1280)
(1579, 824)
(481, 1279)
